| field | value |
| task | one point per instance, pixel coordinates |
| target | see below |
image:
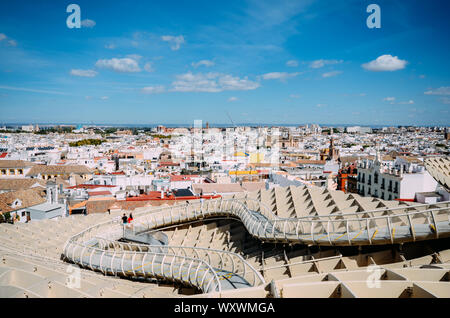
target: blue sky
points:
(272, 62)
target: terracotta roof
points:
(28, 197)
(174, 178)
(311, 162)
(91, 186)
(253, 186)
(19, 184)
(53, 169)
(15, 164)
(383, 158)
(58, 180)
(217, 187)
(410, 159)
(131, 205)
(95, 193)
(4, 208)
(99, 206)
(168, 163)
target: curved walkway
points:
(212, 270)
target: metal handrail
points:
(208, 251)
(74, 245)
(275, 228)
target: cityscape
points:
(188, 160)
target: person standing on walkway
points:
(124, 219)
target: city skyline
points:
(256, 62)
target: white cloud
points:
(124, 65)
(32, 90)
(110, 46)
(153, 89)
(279, 75)
(321, 105)
(292, 63)
(422, 76)
(232, 99)
(149, 67)
(294, 96)
(212, 83)
(105, 97)
(83, 73)
(441, 91)
(135, 57)
(322, 63)
(206, 63)
(410, 102)
(445, 100)
(331, 74)
(86, 23)
(12, 43)
(175, 41)
(385, 63)
(391, 100)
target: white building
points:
(359, 130)
(399, 179)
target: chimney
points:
(52, 192)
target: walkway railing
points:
(362, 228)
(97, 247)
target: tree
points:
(7, 217)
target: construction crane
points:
(231, 119)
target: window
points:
(3, 171)
(396, 187)
(375, 178)
(12, 171)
